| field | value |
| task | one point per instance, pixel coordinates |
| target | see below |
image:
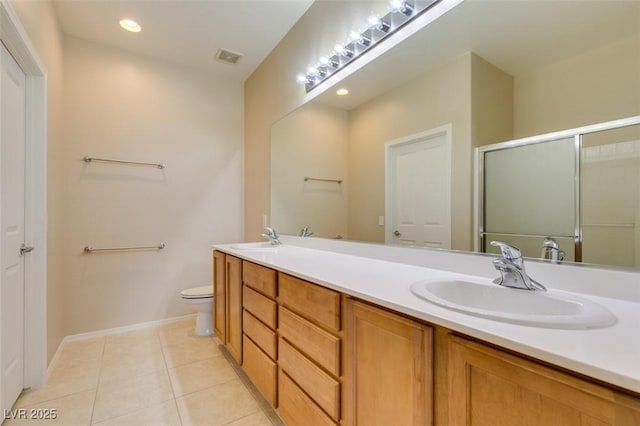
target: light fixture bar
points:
(400, 13)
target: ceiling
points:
(186, 32)
(515, 35)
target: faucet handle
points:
(304, 232)
(509, 252)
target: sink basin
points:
(254, 246)
(550, 309)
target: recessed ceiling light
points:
(342, 92)
(130, 25)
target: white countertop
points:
(609, 354)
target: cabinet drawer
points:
(259, 278)
(321, 387)
(260, 306)
(263, 336)
(261, 370)
(320, 345)
(317, 303)
(296, 408)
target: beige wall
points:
(102, 102)
(311, 141)
(491, 103)
(124, 106)
(597, 86)
(40, 22)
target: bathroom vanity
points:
(331, 334)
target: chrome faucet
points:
(511, 267)
(271, 235)
(551, 251)
(305, 232)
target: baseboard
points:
(106, 332)
(53, 362)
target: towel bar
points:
(89, 249)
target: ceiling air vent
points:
(225, 55)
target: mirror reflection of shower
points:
(571, 195)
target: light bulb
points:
(395, 5)
(329, 63)
(130, 25)
(373, 20)
(378, 23)
(301, 78)
(360, 39)
(401, 6)
(343, 50)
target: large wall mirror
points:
(358, 166)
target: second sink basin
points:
(550, 309)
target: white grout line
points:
(95, 396)
(166, 366)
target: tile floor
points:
(160, 376)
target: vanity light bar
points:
(400, 13)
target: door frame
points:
(446, 131)
(16, 40)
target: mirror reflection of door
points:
(418, 196)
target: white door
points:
(12, 220)
(419, 189)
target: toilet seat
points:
(203, 292)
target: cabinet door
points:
(219, 295)
(234, 307)
(388, 368)
(493, 388)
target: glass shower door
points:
(530, 192)
(611, 197)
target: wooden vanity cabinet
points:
(323, 358)
(310, 353)
(219, 296)
(227, 300)
(260, 321)
(388, 368)
(491, 387)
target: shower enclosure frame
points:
(576, 133)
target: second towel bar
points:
(338, 181)
(88, 159)
(89, 249)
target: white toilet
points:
(201, 299)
